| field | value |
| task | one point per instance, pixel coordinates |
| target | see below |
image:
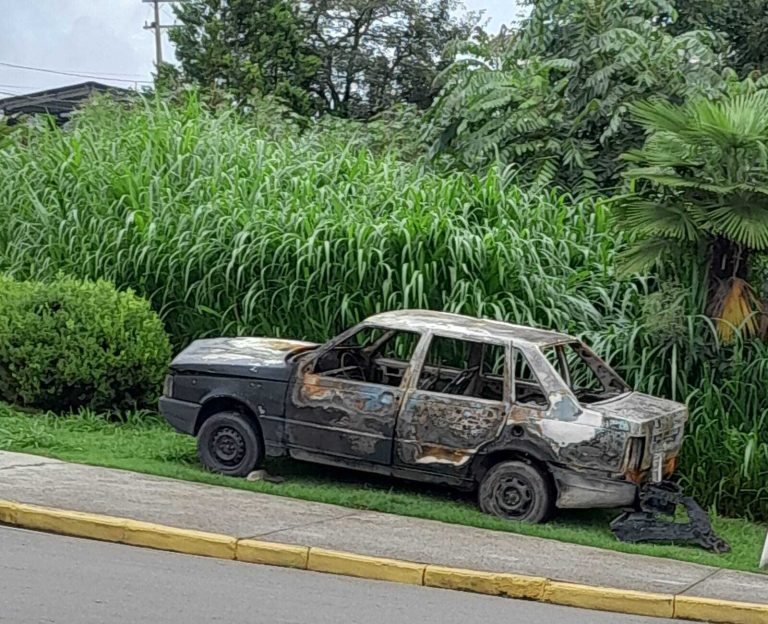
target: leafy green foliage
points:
(704, 172)
(743, 24)
(6, 133)
(553, 99)
(710, 159)
(391, 131)
(353, 58)
(246, 47)
(233, 228)
(68, 343)
(376, 54)
(227, 231)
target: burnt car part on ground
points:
(530, 419)
(662, 499)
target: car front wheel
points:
(228, 443)
(517, 490)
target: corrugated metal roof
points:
(58, 102)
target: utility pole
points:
(158, 28)
(158, 35)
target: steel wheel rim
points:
(514, 496)
(228, 446)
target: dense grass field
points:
(145, 443)
(229, 226)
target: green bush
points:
(229, 229)
(69, 344)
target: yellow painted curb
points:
(7, 512)
(79, 524)
(348, 564)
(608, 599)
(269, 553)
(107, 528)
(179, 540)
(509, 585)
(710, 610)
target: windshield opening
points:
(588, 377)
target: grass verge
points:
(143, 442)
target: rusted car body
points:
(531, 418)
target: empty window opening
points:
(528, 390)
(465, 368)
(585, 374)
(373, 355)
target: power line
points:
(84, 71)
(76, 74)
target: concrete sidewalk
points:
(40, 481)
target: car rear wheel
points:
(230, 444)
(517, 490)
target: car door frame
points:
(575, 434)
(446, 458)
(322, 408)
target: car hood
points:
(263, 358)
(635, 407)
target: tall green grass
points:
(234, 227)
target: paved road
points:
(60, 580)
(51, 483)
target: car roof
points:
(466, 327)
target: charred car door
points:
(457, 403)
(345, 397)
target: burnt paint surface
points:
(259, 358)
(445, 430)
(343, 417)
(443, 438)
(465, 327)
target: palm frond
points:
(657, 219)
(747, 225)
(710, 160)
(643, 255)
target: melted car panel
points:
(431, 395)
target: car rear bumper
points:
(577, 490)
(181, 415)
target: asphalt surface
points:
(61, 580)
(243, 514)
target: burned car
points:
(531, 419)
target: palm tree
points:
(704, 175)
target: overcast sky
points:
(103, 40)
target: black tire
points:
(517, 490)
(230, 444)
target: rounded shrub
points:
(69, 343)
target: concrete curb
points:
(148, 535)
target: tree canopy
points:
(246, 47)
(744, 23)
(553, 98)
(352, 58)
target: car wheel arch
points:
(221, 403)
(527, 453)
